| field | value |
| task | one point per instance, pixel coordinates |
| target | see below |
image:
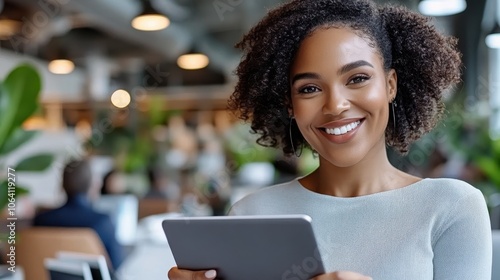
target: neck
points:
(81, 197)
(374, 173)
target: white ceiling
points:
(101, 30)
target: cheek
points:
(304, 111)
(376, 101)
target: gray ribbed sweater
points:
(433, 229)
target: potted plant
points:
(19, 94)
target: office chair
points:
(35, 244)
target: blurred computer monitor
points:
(97, 263)
(62, 270)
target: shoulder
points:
(457, 201)
(102, 224)
(265, 198)
(454, 190)
(42, 218)
(48, 217)
(269, 193)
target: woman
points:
(347, 78)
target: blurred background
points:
(144, 100)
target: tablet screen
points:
(246, 247)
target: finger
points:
(342, 275)
(349, 275)
(180, 274)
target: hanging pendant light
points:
(150, 19)
(193, 60)
(441, 7)
(493, 38)
(8, 28)
(60, 63)
(61, 66)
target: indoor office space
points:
(116, 115)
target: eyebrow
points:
(307, 75)
(346, 68)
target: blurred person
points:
(346, 79)
(78, 211)
(160, 186)
(157, 187)
(113, 182)
(193, 201)
(212, 177)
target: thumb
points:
(342, 275)
(179, 274)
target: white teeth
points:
(343, 129)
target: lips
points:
(341, 131)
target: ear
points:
(392, 84)
(290, 111)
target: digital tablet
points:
(246, 247)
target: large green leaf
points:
(16, 192)
(35, 163)
(16, 139)
(18, 99)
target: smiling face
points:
(340, 96)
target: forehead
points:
(334, 47)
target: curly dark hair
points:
(426, 62)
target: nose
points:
(335, 103)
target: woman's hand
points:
(342, 275)
(180, 274)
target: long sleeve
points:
(463, 248)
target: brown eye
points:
(359, 79)
(309, 89)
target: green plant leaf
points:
(496, 149)
(18, 138)
(35, 163)
(4, 193)
(490, 167)
(18, 99)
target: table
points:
(147, 261)
(151, 257)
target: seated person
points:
(161, 187)
(114, 183)
(78, 211)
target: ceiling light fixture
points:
(441, 7)
(120, 98)
(60, 61)
(493, 38)
(150, 19)
(193, 60)
(61, 66)
(8, 28)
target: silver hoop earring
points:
(315, 154)
(291, 139)
(393, 104)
